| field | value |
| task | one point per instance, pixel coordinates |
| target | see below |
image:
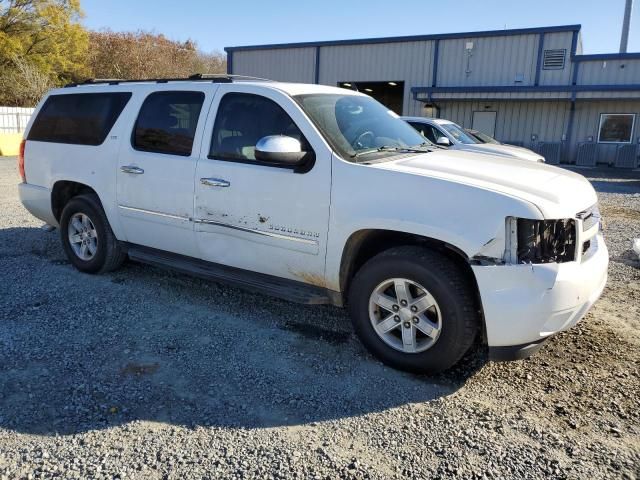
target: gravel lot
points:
(145, 374)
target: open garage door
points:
(390, 94)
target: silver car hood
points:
(507, 150)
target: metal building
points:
(531, 87)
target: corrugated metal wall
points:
(409, 62)
(515, 121)
(284, 64)
(608, 95)
(547, 120)
(493, 61)
(587, 122)
(609, 72)
(554, 41)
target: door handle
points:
(215, 182)
(132, 169)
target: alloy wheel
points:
(83, 236)
(405, 315)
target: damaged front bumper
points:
(527, 303)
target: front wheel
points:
(414, 309)
(87, 237)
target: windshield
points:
(357, 125)
(460, 135)
(483, 137)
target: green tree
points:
(43, 37)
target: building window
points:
(616, 127)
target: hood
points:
(558, 193)
(508, 150)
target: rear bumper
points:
(37, 200)
(525, 304)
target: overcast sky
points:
(217, 24)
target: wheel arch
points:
(65, 190)
(364, 244)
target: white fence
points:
(14, 119)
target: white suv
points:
(318, 195)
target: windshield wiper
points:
(426, 146)
(422, 148)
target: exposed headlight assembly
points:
(540, 241)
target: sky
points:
(218, 24)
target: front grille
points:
(546, 241)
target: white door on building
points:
(485, 122)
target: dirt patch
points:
(310, 278)
(621, 213)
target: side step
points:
(254, 282)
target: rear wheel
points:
(414, 309)
(87, 238)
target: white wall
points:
(14, 119)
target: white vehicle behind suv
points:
(318, 195)
(447, 134)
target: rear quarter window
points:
(78, 118)
(167, 122)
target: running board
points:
(254, 282)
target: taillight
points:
(21, 161)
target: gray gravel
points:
(145, 374)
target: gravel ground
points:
(145, 374)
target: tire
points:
(452, 320)
(108, 254)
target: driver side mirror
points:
(280, 150)
(443, 142)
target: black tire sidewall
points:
(84, 205)
(453, 340)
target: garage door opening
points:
(390, 94)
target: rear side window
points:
(78, 118)
(167, 122)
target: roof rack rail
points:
(215, 76)
(196, 77)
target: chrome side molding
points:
(306, 241)
(203, 221)
(151, 212)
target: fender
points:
(470, 219)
